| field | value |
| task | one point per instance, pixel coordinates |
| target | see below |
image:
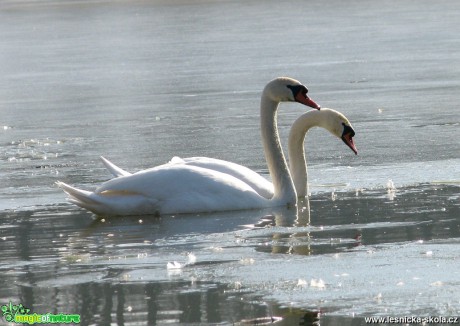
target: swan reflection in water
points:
(284, 231)
(154, 227)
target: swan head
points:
(339, 126)
(285, 89)
(333, 121)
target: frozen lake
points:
(142, 81)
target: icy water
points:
(142, 81)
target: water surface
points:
(142, 81)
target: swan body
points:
(180, 188)
(331, 120)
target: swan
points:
(179, 188)
(329, 119)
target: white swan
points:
(329, 119)
(178, 188)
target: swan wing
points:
(257, 182)
(115, 170)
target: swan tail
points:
(115, 170)
(110, 202)
(82, 198)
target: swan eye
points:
(298, 90)
(347, 130)
(303, 90)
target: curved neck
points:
(284, 190)
(296, 151)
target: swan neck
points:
(284, 190)
(296, 150)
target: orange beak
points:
(348, 139)
(304, 99)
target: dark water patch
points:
(170, 302)
(439, 124)
(176, 302)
